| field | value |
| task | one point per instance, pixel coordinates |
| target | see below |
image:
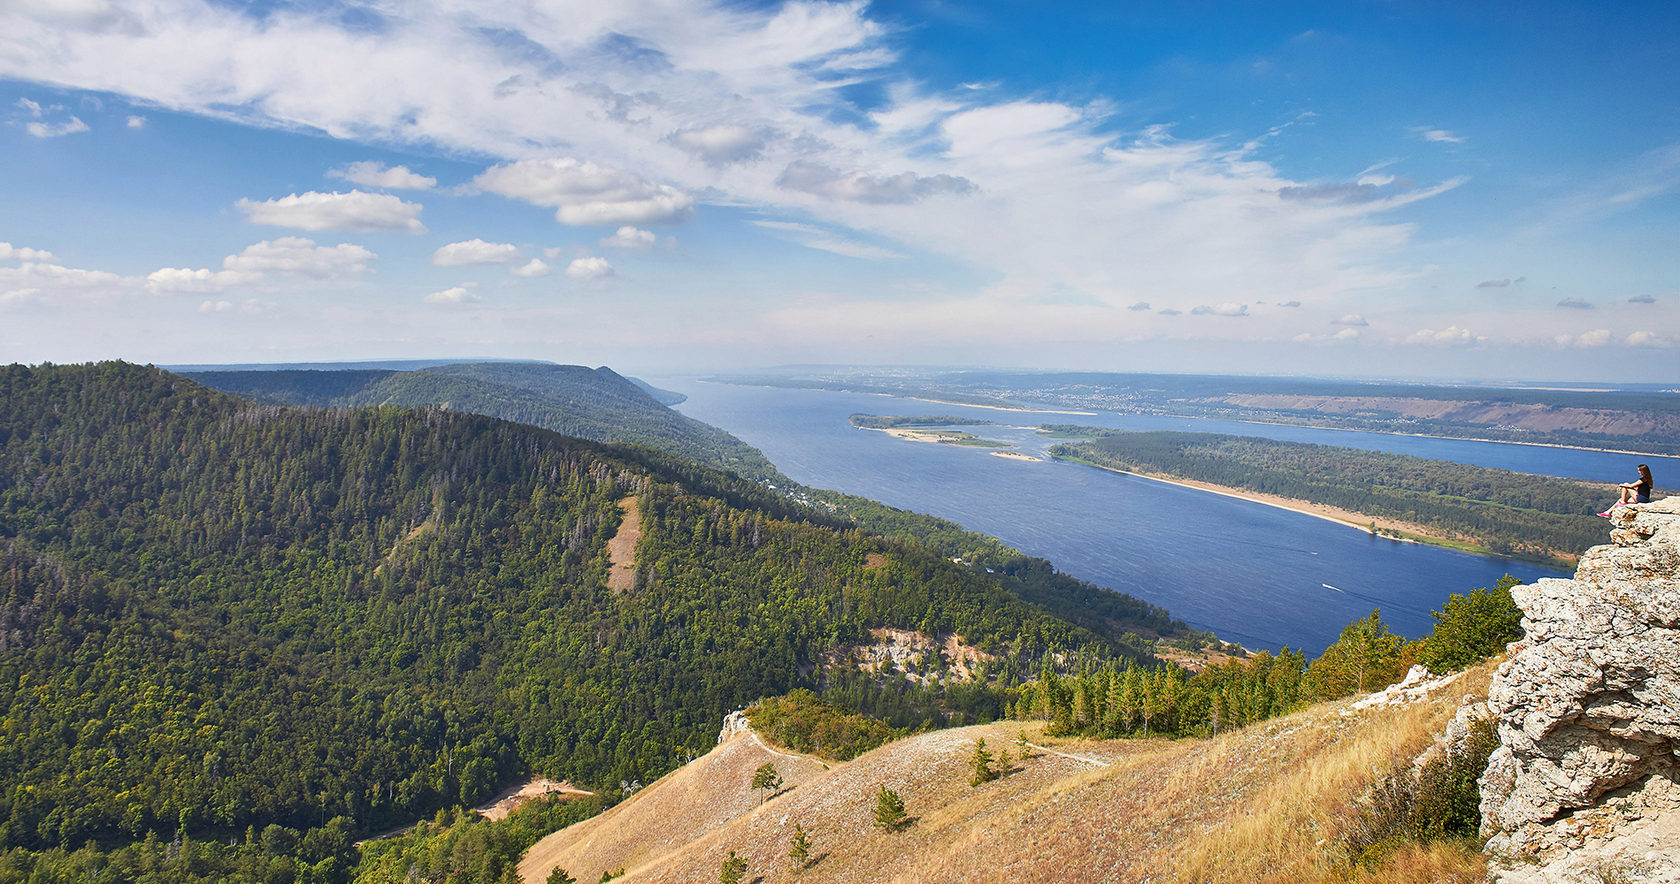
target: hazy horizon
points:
(1429, 191)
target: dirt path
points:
(622, 548)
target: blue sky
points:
(1385, 189)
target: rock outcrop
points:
(1586, 781)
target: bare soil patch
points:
(621, 549)
(515, 798)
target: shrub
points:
(1472, 628)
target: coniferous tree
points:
(889, 810)
(734, 869)
(980, 764)
(799, 847)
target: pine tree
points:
(799, 849)
(767, 778)
(1005, 764)
(559, 876)
(980, 764)
(734, 869)
(889, 810)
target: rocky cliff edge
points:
(1586, 782)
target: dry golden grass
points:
(1264, 804)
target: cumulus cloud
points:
(816, 238)
(42, 129)
(1636, 299)
(1353, 319)
(1575, 304)
(584, 193)
(905, 187)
(1588, 340)
(1646, 338)
(1346, 334)
(1140, 305)
(475, 251)
(299, 256)
(1451, 336)
(356, 210)
(629, 237)
(1168, 311)
(288, 256)
(369, 173)
(1220, 310)
(722, 144)
(209, 306)
(532, 269)
(461, 294)
(135, 121)
(589, 268)
(168, 280)
(9, 252)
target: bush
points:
(1472, 628)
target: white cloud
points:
(1647, 338)
(167, 280)
(584, 193)
(589, 268)
(287, 256)
(475, 251)
(817, 238)
(1052, 195)
(1346, 334)
(722, 144)
(356, 210)
(1598, 337)
(1440, 136)
(9, 252)
(369, 173)
(461, 294)
(215, 306)
(904, 187)
(1451, 336)
(531, 270)
(630, 238)
(1353, 319)
(1220, 310)
(135, 121)
(299, 256)
(47, 275)
(41, 129)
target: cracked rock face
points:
(1588, 706)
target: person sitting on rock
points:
(1634, 492)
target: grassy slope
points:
(1264, 804)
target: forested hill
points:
(216, 615)
(589, 403)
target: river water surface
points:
(1256, 574)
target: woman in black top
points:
(1635, 492)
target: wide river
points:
(1256, 574)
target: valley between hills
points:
(240, 635)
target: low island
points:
(925, 429)
(1475, 509)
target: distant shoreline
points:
(1360, 521)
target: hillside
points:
(215, 615)
(590, 403)
(1268, 803)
